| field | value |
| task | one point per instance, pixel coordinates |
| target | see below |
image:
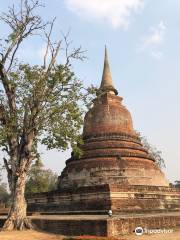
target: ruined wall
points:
(89, 199)
(100, 199)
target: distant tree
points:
(4, 195)
(177, 184)
(38, 104)
(153, 151)
(40, 179)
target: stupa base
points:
(100, 199)
(95, 225)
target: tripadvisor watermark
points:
(140, 231)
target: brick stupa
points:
(112, 151)
(114, 173)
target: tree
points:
(153, 151)
(4, 196)
(40, 179)
(38, 104)
(177, 184)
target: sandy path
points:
(33, 235)
(28, 235)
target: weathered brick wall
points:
(73, 227)
(114, 226)
(77, 199)
(119, 198)
(128, 225)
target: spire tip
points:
(107, 83)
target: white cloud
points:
(115, 12)
(154, 40)
(156, 54)
(156, 36)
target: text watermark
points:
(140, 231)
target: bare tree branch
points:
(76, 53)
(48, 36)
(23, 24)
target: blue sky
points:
(143, 39)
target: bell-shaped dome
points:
(108, 115)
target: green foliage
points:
(177, 184)
(59, 100)
(40, 179)
(153, 152)
(57, 97)
(4, 195)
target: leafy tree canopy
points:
(153, 151)
(40, 179)
(4, 195)
(177, 183)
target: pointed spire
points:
(107, 83)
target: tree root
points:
(17, 224)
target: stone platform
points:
(84, 210)
(99, 199)
(102, 225)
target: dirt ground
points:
(169, 236)
(28, 235)
(33, 235)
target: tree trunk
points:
(17, 218)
